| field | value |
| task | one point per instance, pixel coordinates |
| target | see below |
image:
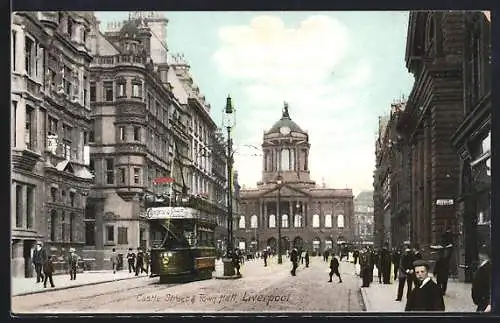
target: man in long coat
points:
(364, 263)
(294, 258)
(385, 264)
(441, 271)
(481, 286)
(427, 296)
(405, 274)
(396, 257)
(39, 258)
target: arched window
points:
(297, 221)
(328, 220)
(253, 222)
(272, 221)
(285, 159)
(242, 222)
(315, 221)
(284, 221)
(340, 221)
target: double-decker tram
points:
(182, 241)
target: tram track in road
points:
(82, 294)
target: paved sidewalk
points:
(381, 298)
(25, 286)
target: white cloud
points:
(311, 67)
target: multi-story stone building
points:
(433, 113)
(311, 217)
(363, 218)
(150, 121)
(472, 141)
(50, 121)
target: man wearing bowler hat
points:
(39, 258)
(426, 296)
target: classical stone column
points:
(427, 197)
(265, 222)
(20, 55)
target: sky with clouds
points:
(338, 71)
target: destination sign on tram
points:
(169, 212)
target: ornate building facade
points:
(363, 218)
(149, 122)
(311, 217)
(50, 126)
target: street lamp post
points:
(278, 211)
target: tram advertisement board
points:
(169, 212)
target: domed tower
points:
(286, 152)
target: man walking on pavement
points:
(442, 270)
(114, 260)
(427, 296)
(294, 255)
(306, 256)
(264, 255)
(405, 274)
(481, 284)
(385, 263)
(131, 260)
(334, 268)
(39, 258)
(48, 270)
(73, 263)
(396, 258)
(364, 264)
(139, 265)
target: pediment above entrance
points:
(286, 190)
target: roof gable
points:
(286, 190)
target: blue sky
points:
(338, 71)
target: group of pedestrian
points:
(137, 263)
(44, 264)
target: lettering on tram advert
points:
(172, 213)
(205, 262)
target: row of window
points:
(286, 159)
(62, 227)
(123, 173)
(108, 93)
(63, 197)
(297, 221)
(25, 206)
(59, 140)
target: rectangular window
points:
(85, 91)
(43, 121)
(29, 55)
(122, 235)
(108, 91)
(67, 80)
(14, 128)
(110, 233)
(120, 89)
(30, 199)
(53, 194)
(67, 141)
(137, 173)
(92, 165)
(136, 90)
(92, 92)
(52, 126)
(71, 226)
(63, 227)
(28, 135)
(90, 233)
(14, 34)
(72, 198)
(122, 133)
(53, 219)
(19, 205)
(92, 131)
(122, 175)
(110, 171)
(137, 133)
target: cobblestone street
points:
(262, 289)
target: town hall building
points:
(312, 217)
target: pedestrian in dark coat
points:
(236, 256)
(334, 269)
(73, 263)
(442, 271)
(364, 264)
(427, 296)
(385, 264)
(481, 287)
(396, 258)
(139, 262)
(306, 257)
(376, 263)
(48, 270)
(131, 260)
(39, 258)
(264, 255)
(371, 263)
(294, 258)
(405, 274)
(355, 255)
